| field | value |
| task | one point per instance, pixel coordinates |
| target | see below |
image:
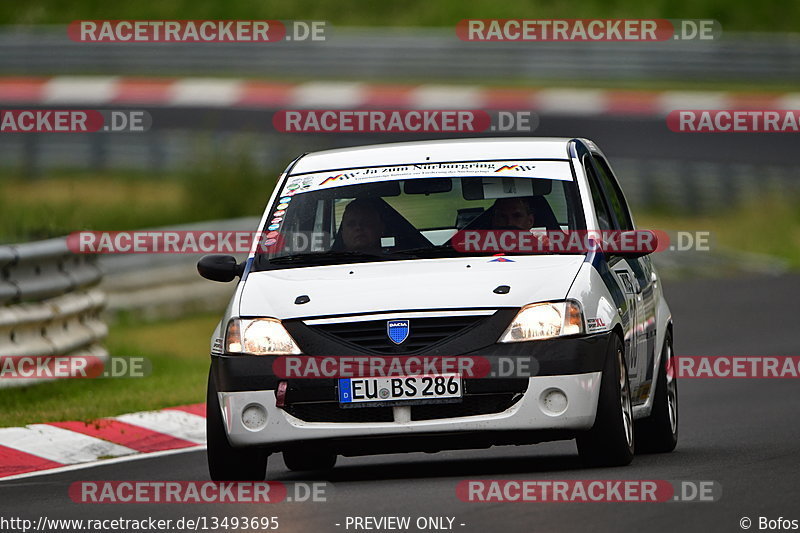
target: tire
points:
(610, 442)
(305, 458)
(658, 433)
(226, 463)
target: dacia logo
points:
(398, 330)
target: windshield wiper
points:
(430, 251)
(324, 257)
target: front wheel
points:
(610, 441)
(658, 433)
(226, 463)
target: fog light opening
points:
(254, 417)
(553, 401)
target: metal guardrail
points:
(48, 305)
(38, 270)
(154, 286)
(417, 53)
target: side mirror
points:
(220, 267)
(635, 243)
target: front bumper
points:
(550, 357)
(527, 420)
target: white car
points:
(359, 261)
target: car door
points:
(620, 269)
(640, 271)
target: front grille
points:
(331, 412)
(423, 332)
(471, 405)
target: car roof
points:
(500, 148)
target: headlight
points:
(259, 336)
(545, 320)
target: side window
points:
(614, 195)
(603, 217)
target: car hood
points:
(420, 284)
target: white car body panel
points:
(453, 283)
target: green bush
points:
(734, 15)
(228, 184)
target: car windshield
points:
(412, 211)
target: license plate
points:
(416, 389)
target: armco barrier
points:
(38, 270)
(48, 305)
(407, 53)
(157, 286)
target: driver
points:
(516, 214)
(362, 226)
(512, 213)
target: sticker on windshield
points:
(546, 170)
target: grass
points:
(178, 351)
(58, 205)
(734, 15)
(769, 226)
(36, 209)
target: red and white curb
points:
(242, 93)
(56, 445)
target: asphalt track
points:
(741, 433)
(637, 137)
(629, 136)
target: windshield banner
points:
(549, 170)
